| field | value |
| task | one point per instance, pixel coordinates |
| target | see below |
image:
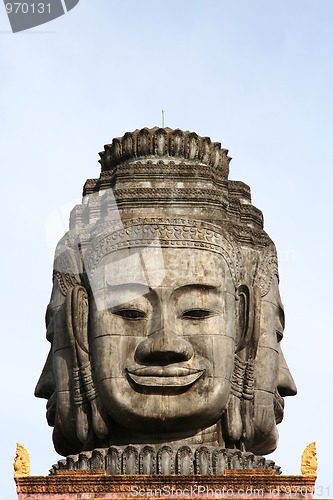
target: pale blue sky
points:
(254, 75)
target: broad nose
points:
(286, 385)
(163, 347)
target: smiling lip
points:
(161, 376)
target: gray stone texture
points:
(165, 319)
(164, 459)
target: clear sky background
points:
(255, 75)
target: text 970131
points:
(28, 8)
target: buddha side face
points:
(163, 338)
(273, 378)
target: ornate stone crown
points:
(165, 142)
(172, 171)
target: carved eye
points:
(279, 336)
(281, 325)
(130, 314)
(197, 314)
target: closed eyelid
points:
(198, 313)
(130, 313)
(199, 286)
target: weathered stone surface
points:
(165, 460)
(165, 318)
(250, 484)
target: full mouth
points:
(164, 376)
(51, 409)
(278, 407)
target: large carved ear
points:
(239, 415)
(244, 317)
(89, 411)
(77, 325)
(247, 319)
(233, 417)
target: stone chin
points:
(166, 410)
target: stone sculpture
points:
(165, 318)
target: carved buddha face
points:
(273, 380)
(155, 344)
(163, 338)
(163, 329)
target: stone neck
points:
(211, 436)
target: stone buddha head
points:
(165, 318)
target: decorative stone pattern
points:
(161, 233)
(164, 460)
(21, 461)
(309, 463)
(234, 484)
(164, 142)
(187, 185)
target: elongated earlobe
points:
(76, 320)
(248, 354)
(244, 317)
(88, 406)
(237, 421)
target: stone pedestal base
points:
(165, 460)
(249, 484)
